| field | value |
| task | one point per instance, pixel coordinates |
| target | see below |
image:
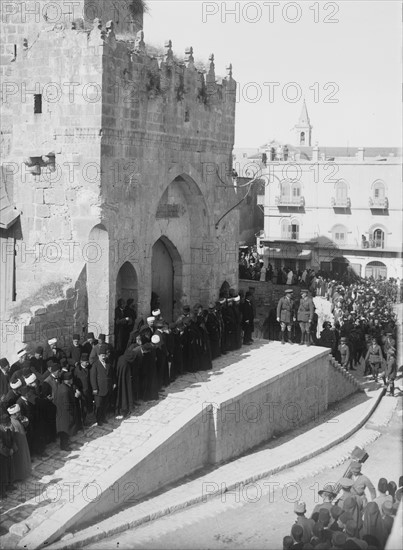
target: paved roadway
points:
(262, 513)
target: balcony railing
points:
(341, 203)
(296, 202)
(382, 202)
(373, 244)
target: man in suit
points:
(103, 383)
(305, 316)
(67, 421)
(286, 315)
(247, 319)
(95, 350)
(83, 384)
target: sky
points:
(343, 57)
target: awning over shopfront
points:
(287, 252)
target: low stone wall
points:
(290, 399)
(341, 383)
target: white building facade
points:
(332, 209)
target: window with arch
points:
(296, 191)
(339, 234)
(285, 190)
(377, 270)
(341, 192)
(378, 191)
(378, 238)
(290, 230)
(302, 138)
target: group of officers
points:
(57, 389)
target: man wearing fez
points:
(103, 383)
(22, 355)
(81, 376)
(89, 344)
(38, 364)
(67, 421)
(4, 376)
(247, 319)
(95, 350)
(305, 316)
(75, 350)
(285, 315)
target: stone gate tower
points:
(116, 169)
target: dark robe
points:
(7, 447)
(22, 456)
(4, 383)
(122, 330)
(66, 410)
(213, 329)
(148, 372)
(39, 368)
(124, 373)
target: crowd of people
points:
(55, 392)
(352, 515)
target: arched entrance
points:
(376, 270)
(126, 283)
(166, 269)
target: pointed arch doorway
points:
(166, 269)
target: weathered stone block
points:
(42, 211)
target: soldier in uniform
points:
(361, 482)
(374, 358)
(286, 315)
(389, 375)
(305, 316)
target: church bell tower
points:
(304, 128)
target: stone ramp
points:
(65, 486)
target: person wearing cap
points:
(82, 381)
(345, 484)
(305, 313)
(67, 420)
(22, 456)
(4, 376)
(374, 358)
(89, 343)
(328, 494)
(38, 364)
(247, 319)
(95, 350)
(286, 315)
(51, 383)
(390, 372)
(361, 483)
(22, 356)
(74, 351)
(306, 523)
(102, 378)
